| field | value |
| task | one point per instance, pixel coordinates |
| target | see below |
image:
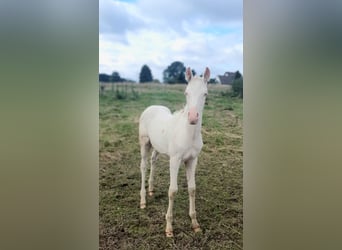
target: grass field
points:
(123, 225)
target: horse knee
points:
(192, 215)
(169, 217)
(172, 193)
(143, 166)
(192, 192)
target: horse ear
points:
(188, 74)
(206, 74)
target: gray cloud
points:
(224, 11)
(117, 18)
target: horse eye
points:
(185, 93)
(205, 94)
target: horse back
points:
(154, 112)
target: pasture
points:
(123, 225)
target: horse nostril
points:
(197, 115)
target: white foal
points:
(179, 136)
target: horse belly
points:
(157, 128)
(159, 140)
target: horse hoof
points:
(169, 234)
(150, 193)
(197, 229)
(142, 206)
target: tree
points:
(115, 77)
(104, 77)
(237, 75)
(237, 87)
(175, 73)
(212, 81)
(145, 74)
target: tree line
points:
(174, 73)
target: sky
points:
(199, 33)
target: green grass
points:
(123, 225)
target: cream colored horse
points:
(179, 136)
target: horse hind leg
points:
(145, 146)
(151, 179)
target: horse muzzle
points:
(193, 116)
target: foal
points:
(179, 136)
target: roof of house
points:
(227, 78)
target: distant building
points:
(227, 78)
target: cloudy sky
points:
(198, 33)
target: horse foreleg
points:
(174, 167)
(190, 175)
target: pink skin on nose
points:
(193, 116)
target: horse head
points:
(196, 93)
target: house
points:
(227, 78)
